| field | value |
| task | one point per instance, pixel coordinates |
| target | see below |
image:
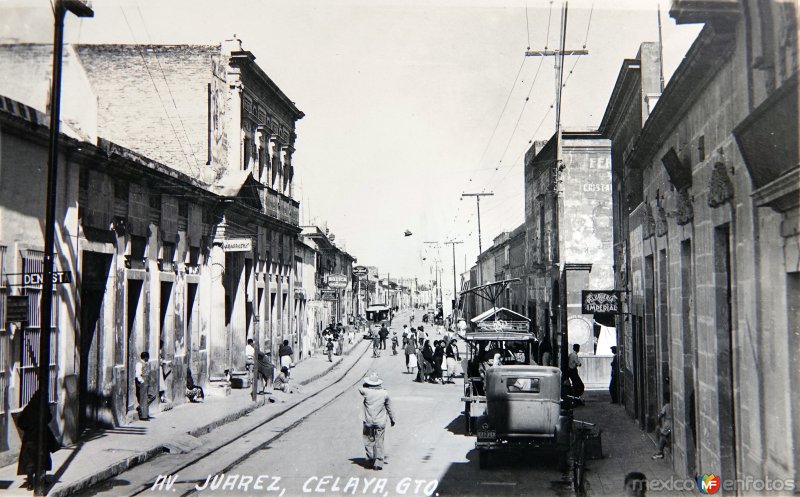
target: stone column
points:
(217, 333)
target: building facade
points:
(711, 231)
(568, 234)
(180, 244)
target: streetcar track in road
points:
(262, 446)
(283, 432)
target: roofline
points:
(626, 74)
(247, 59)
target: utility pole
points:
(559, 210)
(559, 70)
(60, 8)
(436, 275)
(455, 290)
(480, 245)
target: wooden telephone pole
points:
(559, 211)
(455, 289)
(480, 245)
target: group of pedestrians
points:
(428, 361)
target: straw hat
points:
(373, 380)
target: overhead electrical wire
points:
(158, 93)
(169, 90)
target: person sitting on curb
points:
(665, 429)
(282, 382)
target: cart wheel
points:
(483, 459)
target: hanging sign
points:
(16, 308)
(337, 281)
(329, 294)
(360, 271)
(237, 245)
(600, 302)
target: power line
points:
(158, 93)
(169, 90)
(502, 112)
(519, 117)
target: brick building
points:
(707, 220)
(568, 227)
(220, 119)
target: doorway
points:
(94, 277)
(132, 350)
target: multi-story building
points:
(179, 254)
(233, 129)
(706, 213)
(106, 194)
(635, 93)
(503, 260)
(568, 234)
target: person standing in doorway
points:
(612, 386)
(376, 410)
(250, 361)
(574, 363)
(142, 378)
(285, 353)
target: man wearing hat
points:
(377, 409)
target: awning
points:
(499, 314)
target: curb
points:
(106, 473)
(330, 368)
(209, 427)
(115, 469)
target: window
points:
(522, 385)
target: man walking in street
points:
(376, 408)
(574, 363)
(383, 333)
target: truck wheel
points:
(483, 459)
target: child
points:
(329, 348)
(394, 343)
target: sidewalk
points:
(626, 448)
(102, 454)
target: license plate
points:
(487, 434)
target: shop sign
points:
(237, 245)
(360, 271)
(600, 302)
(16, 308)
(329, 294)
(337, 281)
(36, 279)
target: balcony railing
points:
(282, 207)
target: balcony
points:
(282, 207)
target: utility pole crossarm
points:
(545, 53)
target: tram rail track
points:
(233, 438)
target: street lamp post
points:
(60, 8)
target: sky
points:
(408, 104)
